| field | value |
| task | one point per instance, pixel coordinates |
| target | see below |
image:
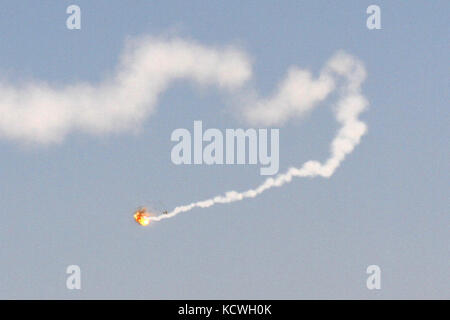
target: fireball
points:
(142, 217)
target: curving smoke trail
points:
(39, 112)
(278, 109)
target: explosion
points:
(142, 216)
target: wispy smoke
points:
(296, 95)
(41, 113)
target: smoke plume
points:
(41, 113)
(296, 95)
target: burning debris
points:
(142, 216)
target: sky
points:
(67, 193)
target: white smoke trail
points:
(38, 112)
(349, 106)
(42, 113)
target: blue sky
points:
(387, 204)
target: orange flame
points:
(142, 217)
